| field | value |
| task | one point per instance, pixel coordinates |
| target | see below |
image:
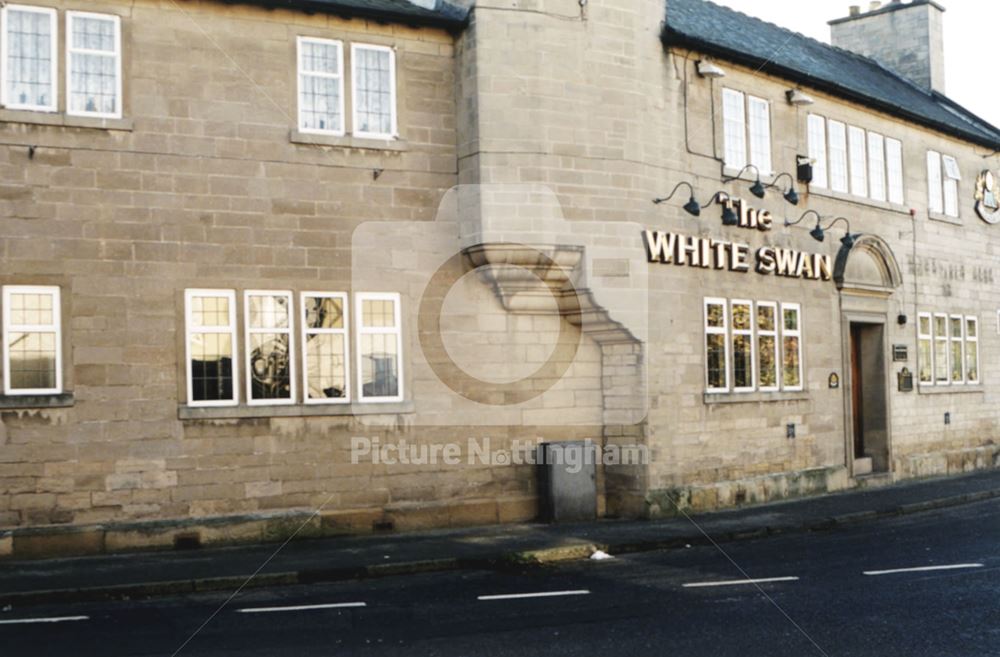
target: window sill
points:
(63, 120)
(948, 219)
(944, 390)
(185, 412)
(860, 200)
(19, 402)
(347, 141)
(754, 397)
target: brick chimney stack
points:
(907, 38)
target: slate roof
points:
(444, 14)
(729, 34)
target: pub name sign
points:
(709, 253)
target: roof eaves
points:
(670, 36)
(448, 17)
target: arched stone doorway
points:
(867, 275)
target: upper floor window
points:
(28, 58)
(746, 131)
(850, 159)
(942, 183)
(94, 65)
(32, 342)
(321, 85)
(373, 76)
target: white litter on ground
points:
(600, 555)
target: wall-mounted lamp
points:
(848, 238)
(818, 231)
(757, 189)
(790, 194)
(798, 97)
(707, 69)
(691, 207)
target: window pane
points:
(790, 368)
(767, 376)
(378, 313)
(210, 311)
(715, 315)
(716, 356)
(93, 83)
(956, 361)
(320, 57)
(326, 366)
(838, 156)
(876, 165)
(935, 200)
(734, 128)
(742, 362)
(373, 90)
(972, 361)
(817, 149)
(211, 366)
(30, 308)
(971, 326)
(951, 197)
(859, 174)
(29, 74)
(324, 312)
(741, 317)
(791, 319)
(925, 325)
(32, 360)
(268, 312)
(760, 134)
(894, 168)
(270, 376)
(925, 360)
(765, 318)
(379, 365)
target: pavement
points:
(168, 573)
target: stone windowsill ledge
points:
(185, 412)
(347, 141)
(944, 390)
(944, 218)
(754, 397)
(27, 402)
(846, 197)
(63, 120)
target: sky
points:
(970, 33)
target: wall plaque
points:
(900, 353)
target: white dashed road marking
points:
(921, 569)
(737, 582)
(52, 619)
(332, 605)
(544, 594)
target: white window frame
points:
(895, 174)
(857, 146)
(361, 330)
(189, 295)
(70, 50)
(394, 127)
(935, 189)
(339, 76)
(960, 340)
(837, 132)
(759, 131)
(53, 57)
(927, 337)
(762, 333)
(796, 333)
(734, 129)
(951, 174)
(947, 352)
(717, 330)
(733, 332)
(54, 327)
(247, 346)
(307, 331)
(816, 136)
(878, 188)
(965, 364)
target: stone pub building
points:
(186, 191)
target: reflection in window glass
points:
(957, 357)
(379, 341)
(941, 349)
(971, 350)
(211, 336)
(325, 347)
(925, 355)
(269, 357)
(31, 340)
(742, 346)
(767, 347)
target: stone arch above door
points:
(868, 264)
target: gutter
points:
(671, 37)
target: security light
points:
(799, 98)
(707, 69)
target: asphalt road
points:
(676, 602)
